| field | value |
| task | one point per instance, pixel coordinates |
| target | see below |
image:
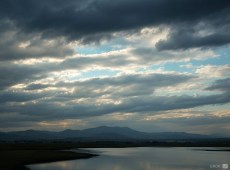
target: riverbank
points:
(17, 159)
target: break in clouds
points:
(94, 60)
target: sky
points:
(151, 65)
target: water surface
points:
(147, 158)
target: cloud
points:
(49, 70)
(158, 103)
(85, 20)
(16, 45)
(81, 99)
(11, 96)
(216, 71)
(111, 88)
(12, 74)
(126, 94)
(221, 85)
(46, 67)
(36, 86)
(98, 96)
(115, 88)
(150, 55)
(189, 115)
(192, 120)
(186, 38)
(46, 111)
(130, 59)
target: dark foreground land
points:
(14, 155)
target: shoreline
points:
(20, 159)
(16, 156)
(214, 150)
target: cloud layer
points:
(125, 61)
(192, 23)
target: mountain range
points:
(99, 133)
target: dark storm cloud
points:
(143, 104)
(142, 56)
(123, 86)
(36, 86)
(17, 120)
(133, 100)
(184, 39)
(10, 96)
(50, 106)
(221, 85)
(136, 93)
(14, 44)
(90, 20)
(162, 103)
(153, 80)
(116, 87)
(12, 74)
(87, 62)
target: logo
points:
(225, 166)
(219, 166)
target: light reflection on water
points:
(142, 159)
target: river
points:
(145, 158)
